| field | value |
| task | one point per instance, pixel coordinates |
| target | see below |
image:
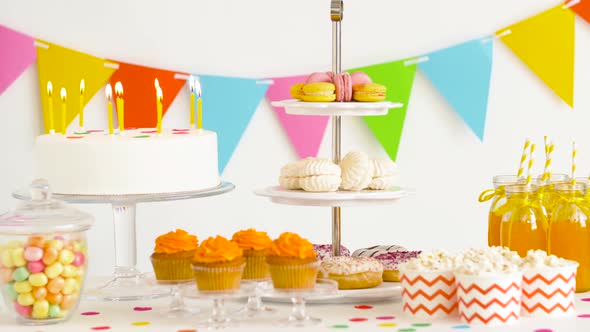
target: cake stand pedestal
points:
(128, 283)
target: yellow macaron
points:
(319, 92)
(297, 90)
(369, 92)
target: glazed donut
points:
(325, 250)
(353, 272)
(391, 261)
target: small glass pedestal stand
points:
(128, 283)
(219, 318)
(177, 307)
(254, 307)
(299, 317)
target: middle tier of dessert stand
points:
(128, 283)
(340, 198)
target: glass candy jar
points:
(524, 220)
(569, 231)
(498, 197)
(43, 258)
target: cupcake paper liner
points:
(429, 293)
(489, 299)
(218, 278)
(549, 291)
(256, 267)
(173, 267)
(294, 276)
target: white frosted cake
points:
(138, 162)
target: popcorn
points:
(539, 258)
(438, 260)
(490, 259)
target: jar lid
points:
(42, 214)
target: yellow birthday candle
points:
(120, 106)
(64, 96)
(81, 110)
(109, 95)
(50, 107)
(159, 98)
(192, 103)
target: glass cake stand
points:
(299, 316)
(128, 283)
(219, 317)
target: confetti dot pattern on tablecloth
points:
(407, 330)
(141, 136)
(584, 316)
(90, 313)
(100, 328)
(461, 327)
(363, 307)
(74, 137)
(186, 331)
(385, 317)
(358, 319)
(140, 323)
(341, 326)
(586, 299)
(142, 308)
(421, 324)
(387, 325)
(543, 330)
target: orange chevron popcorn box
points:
(429, 293)
(549, 291)
(489, 298)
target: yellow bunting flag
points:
(545, 42)
(65, 68)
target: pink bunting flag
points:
(304, 131)
(17, 53)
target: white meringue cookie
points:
(383, 182)
(319, 175)
(385, 174)
(289, 178)
(320, 183)
(357, 171)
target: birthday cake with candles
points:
(131, 160)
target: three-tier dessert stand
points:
(336, 200)
(128, 283)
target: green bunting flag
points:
(399, 79)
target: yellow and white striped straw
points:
(531, 162)
(527, 142)
(547, 171)
(574, 166)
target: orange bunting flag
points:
(140, 92)
(545, 42)
(65, 68)
(582, 8)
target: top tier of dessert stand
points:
(336, 110)
(128, 283)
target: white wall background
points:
(439, 156)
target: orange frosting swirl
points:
(174, 242)
(291, 245)
(218, 249)
(252, 239)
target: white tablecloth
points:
(146, 316)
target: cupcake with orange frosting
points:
(292, 262)
(172, 255)
(254, 245)
(218, 265)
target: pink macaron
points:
(343, 87)
(319, 77)
(358, 77)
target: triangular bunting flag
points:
(16, 55)
(65, 68)
(399, 79)
(139, 92)
(545, 42)
(462, 75)
(304, 131)
(228, 106)
(582, 8)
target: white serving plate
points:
(298, 107)
(387, 291)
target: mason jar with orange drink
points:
(498, 197)
(524, 219)
(569, 231)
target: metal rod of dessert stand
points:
(336, 10)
